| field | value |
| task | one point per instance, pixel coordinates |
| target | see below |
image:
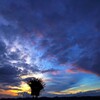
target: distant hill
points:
(57, 98)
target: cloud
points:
(42, 36)
(7, 75)
(71, 71)
(50, 71)
(87, 93)
(14, 63)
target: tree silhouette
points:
(36, 86)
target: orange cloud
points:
(71, 71)
(14, 91)
(85, 71)
(9, 92)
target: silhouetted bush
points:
(36, 86)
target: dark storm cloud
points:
(2, 47)
(89, 56)
(3, 51)
(8, 73)
(92, 63)
(13, 62)
(61, 24)
(9, 32)
(9, 76)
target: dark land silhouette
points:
(58, 98)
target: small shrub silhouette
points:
(36, 86)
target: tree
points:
(36, 86)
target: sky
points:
(56, 40)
